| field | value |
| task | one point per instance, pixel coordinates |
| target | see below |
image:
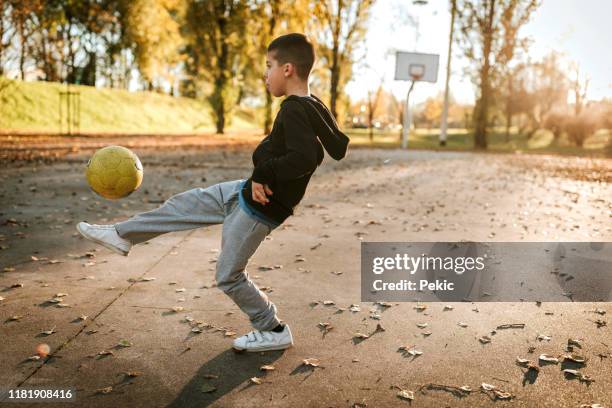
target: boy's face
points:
(276, 75)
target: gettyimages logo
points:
(477, 271)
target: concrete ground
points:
(373, 195)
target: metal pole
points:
(69, 110)
(444, 125)
(59, 122)
(406, 125)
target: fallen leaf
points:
(313, 362)
(600, 323)
(124, 343)
(206, 388)
(543, 337)
(406, 394)
(575, 358)
(355, 308)
(485, 339)
(522, 361)
(511, 326)
(487, 387)
(548, 358)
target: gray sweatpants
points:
(241, 236)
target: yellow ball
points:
(114, 172)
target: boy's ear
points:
(288, 69)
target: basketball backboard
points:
(414, 66)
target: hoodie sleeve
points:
(301, 145)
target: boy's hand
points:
(260, 191)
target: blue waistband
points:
(253, 212)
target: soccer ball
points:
(114, 172)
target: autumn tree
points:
(216, 37)
(341, 26)
(490, 37)
(153, 31)
(270, 19)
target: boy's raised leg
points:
(190, 209)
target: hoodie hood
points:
(325, 126)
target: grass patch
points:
(599, 144)
(34, 106)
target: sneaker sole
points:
(104, 244)
(271, 348)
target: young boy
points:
(250, 209)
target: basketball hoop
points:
(414, 67)
(416, 71)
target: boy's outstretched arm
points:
(302, 149)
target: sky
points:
(577, 28)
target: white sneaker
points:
(105, 235)
(257, 340)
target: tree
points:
(271, 18)
(342, 25)
(432, 111)
(21, 13)
(215, 32)
(153, 29)
(6, 32)
(489, 35)
(536, 90)
(580, 88)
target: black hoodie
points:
(286, 158)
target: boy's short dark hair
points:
(296, 49)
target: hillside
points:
(34, 106)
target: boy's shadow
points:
(232, 370)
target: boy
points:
(250, 209)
